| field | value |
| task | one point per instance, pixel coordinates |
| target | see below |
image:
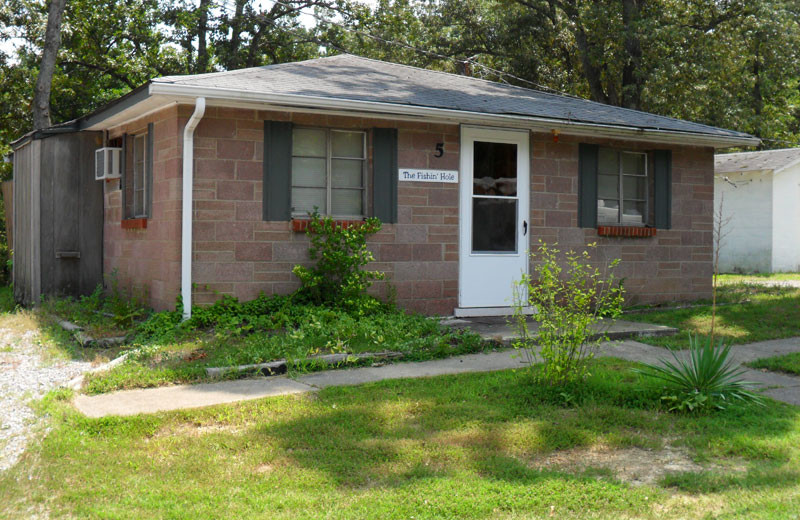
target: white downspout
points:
(188, 184)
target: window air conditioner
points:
(107, 163)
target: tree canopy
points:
(728, 63)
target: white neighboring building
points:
(761, 197)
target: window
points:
(328, 171)
(622, 188)
(139, 179)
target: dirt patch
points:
(636, 466)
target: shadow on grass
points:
(496, 425)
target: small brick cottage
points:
(466, 175)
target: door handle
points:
(524, 227)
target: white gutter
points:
(376, 107)
(188, 184)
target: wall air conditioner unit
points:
(107, 163)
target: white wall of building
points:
(786, 220)
(747, 244)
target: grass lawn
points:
(468, 446)
(747, 313)
(789, 363)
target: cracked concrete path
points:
(781, 387)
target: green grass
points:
(747, 313)
(789, 363)
(466, 446)
(732, 278)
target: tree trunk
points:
(52, 41)
(202, 30)
(631, 70)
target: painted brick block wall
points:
(236, 253)
(146, 261)
(674, 265)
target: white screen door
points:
(494, 214)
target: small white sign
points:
(414, 175)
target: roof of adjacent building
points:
(774, 160)
(349, 77)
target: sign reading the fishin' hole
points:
(408, 174)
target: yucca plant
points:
(708, 379)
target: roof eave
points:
(381, 108)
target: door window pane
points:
(347, 144)
(494, 169)
(309, 142)
(346, 202)
(494, 225)
(304, 200)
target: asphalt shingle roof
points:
(755, 161)
(361, 79)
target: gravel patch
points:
(24, 376)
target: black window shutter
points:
(277, 170)
(662, 180)
(587, 185)
(148, 172)
(384, 179)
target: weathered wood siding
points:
(58, 217)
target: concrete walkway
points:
(132, 402)
(497, 328)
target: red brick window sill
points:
(626, 231)
(134, 223)
(300, 225)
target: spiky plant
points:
(707, 379)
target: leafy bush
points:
(570, 297)
(341, 253)
(707, 380)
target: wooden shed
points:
(58, 215)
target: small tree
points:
(341, 253)
(570, 297)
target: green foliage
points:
(124, 307)
(788, 363)
(707, 380)
(231, 333)
(570, 297)
(340, 252)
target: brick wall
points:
(236, 253)
(147, 261)
(674, 265)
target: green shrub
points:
(570, 297)
(707, 380)
(341, 253)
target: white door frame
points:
(472, 266)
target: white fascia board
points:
(786, 166)
(270, 101)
